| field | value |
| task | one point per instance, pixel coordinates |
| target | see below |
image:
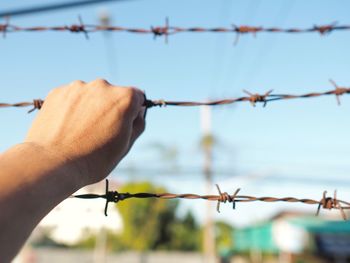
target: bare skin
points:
(81, 133)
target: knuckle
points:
(77, 83)
(129, 99)
(129, 96)
(54, 92)
(100, 82)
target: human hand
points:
(91, 124)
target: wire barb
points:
(161, 31)
(325, 29)
(244, 30)
(37, 104)
(153, 103)
(79, 28)
(110, 196)
(254, 98)
(338, 91)
(225, 197)
(330, 203)
(4, 27)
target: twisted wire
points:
(326, 202)
(36, 104)
(251, 98)
(166, 30)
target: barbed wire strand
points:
(222, 197)
(252, 99)
(166, 30)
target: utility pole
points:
(100, 252)
(207, 146)
(111, 56)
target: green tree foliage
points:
(186, 235)
(223, 236)
(90, 241)
(150, 224)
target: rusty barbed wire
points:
(223, 197)
(166, 29)
(36, 104)
(252, 99)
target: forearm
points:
(84, 130)
(33, 180)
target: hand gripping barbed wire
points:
(253, 99)
(222, 197)
(166, 29)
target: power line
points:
(53, 7)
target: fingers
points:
(128, 101)
(132, 100)
(139, 126)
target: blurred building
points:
(72, 221)
(290, 236)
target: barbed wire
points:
(223, 197)
(166, 30)
(252, 99)
(37, 104)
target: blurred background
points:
(293, 148)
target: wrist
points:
(34, 180)
(69, 171)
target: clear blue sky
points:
(301, 138)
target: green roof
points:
(260, 236)
(257, 237)
(317, 225)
